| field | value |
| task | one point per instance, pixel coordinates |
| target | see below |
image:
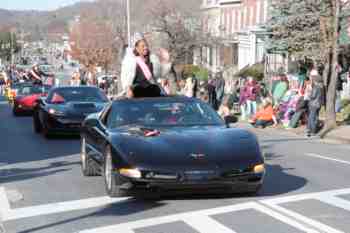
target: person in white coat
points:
(137, 76)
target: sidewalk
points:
(342, 133)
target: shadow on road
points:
(128, 207)
(278, 181)
(16, 174)
(19, 143)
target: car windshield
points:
(161, 113)
(19, 85)
(77, 94)
(30, 90)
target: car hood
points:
(29, 100)
(188, 148)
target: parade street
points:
(42, 189)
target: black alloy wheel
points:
(45, 131)
(36, 123)
(15, 110)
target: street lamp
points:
(128, 21)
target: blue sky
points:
(35, 4)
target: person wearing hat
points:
(137, 77)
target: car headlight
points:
(55, 112)
(259, 168)
(130, 172)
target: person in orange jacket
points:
(265, 116)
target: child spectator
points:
(265, 116)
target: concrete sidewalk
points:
(341, 133)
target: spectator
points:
(265, 116)
(75, 80)
(212, 94)
(252, 92)
(219, 88)
(243, 101)
(224, 109)
(189, 87)
(315, 102)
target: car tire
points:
(15, 111)
(45, 131)
(255, 191)
(112, 179)
(88, 166)
(36, 123)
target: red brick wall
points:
(230, 15)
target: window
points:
(211, 52)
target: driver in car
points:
(175, 113)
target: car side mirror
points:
(230, 120)
(92, 122)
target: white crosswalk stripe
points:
(202, 221)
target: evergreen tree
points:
(311, 29)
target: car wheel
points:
(88, 167)
(112, 179)
(15, 111)
(36, 123)
(45, 131)
(255, 191)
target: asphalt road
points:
(42, 189)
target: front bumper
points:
(239, 184)
(23, 108)
(64, 124)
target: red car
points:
(26, 97)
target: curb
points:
(338, 139)
(334, 138)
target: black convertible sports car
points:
(65, 108)
(169, 143)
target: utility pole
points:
(11, 43)
(128, 21)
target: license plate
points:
(200, 175)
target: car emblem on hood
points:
(197, 156)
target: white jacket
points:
(128, 70)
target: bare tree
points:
(182, 29)
(100, 35)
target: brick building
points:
(239, 25)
